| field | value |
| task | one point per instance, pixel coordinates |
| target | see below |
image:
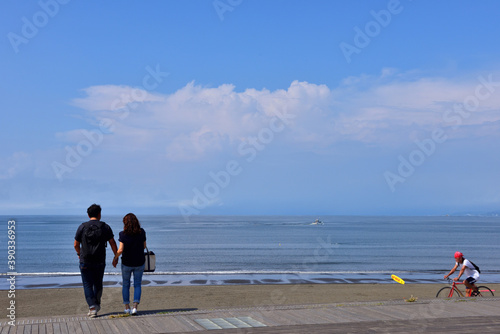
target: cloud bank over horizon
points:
(387, 110)
(150, 149)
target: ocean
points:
(211, 250)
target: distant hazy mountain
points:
(477, 214)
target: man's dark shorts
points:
(471, 280)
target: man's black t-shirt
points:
(93, 249)
(133, 248)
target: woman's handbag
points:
(150, 264)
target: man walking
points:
(90, 244)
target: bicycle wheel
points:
(445, 292)
(484, 291)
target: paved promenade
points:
(423, 316)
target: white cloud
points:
(187, 147)
(197, 121)
(112, 97)
(392, 108)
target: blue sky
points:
(250, 107)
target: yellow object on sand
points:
(397, 279)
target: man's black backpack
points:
(475, 267)
(91, 239)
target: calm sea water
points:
(253, 249)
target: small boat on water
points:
(317, 222)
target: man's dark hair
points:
(94, 211)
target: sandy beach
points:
(70, 301)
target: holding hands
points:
(115, 261)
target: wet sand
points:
(71, 301)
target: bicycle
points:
(453, 291)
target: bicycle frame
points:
(455, 287)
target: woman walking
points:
(132, 244)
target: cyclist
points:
(469, 269)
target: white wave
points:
(222, 272)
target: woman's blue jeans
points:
(126, 274)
